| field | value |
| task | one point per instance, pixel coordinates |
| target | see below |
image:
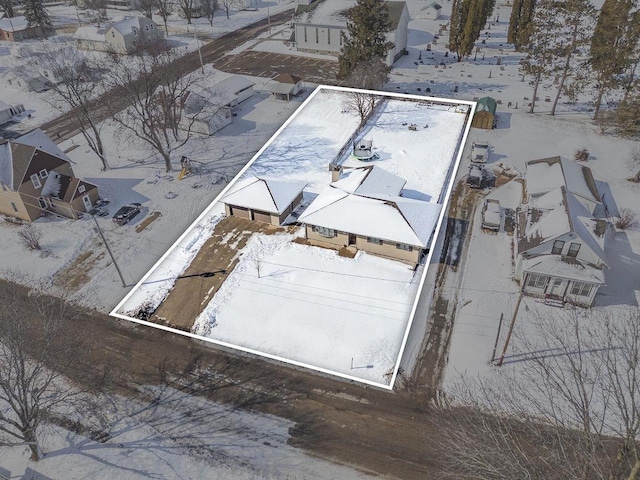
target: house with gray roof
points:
(15, 29)
(363, 209)
(124, 35)
(36, 178)
(560, 248)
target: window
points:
(558, 245)
(317, 41)
(305, 34)
(81, 189)
(404, 246)
(36, 181)
(43, 173)
(328, 36)
(536, 281)
(375, 241)
(325, 232)
(573, 250)
(42, 202)
(13, 205)
(581, 288)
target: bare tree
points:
(187, 7)
(35, 344)
(77, 87)
(209, 9)
(155, 93)
(368, 74)
(361, 103)
(165, 8)
(31, 236)
(626, 219)
(227, 5)
(99, 7)
(145, 7)
(571, 411)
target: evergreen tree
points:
(611, 47)
(37, 15)
(473, 24)
(7, 7)
(367, 27)
(455, 24)
(539, 62)
(520, 22)
(578, 18)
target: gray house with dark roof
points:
(324, 32)
(36, 177)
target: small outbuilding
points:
(284, 86)
(263, 199)
(485, 116)
(7, 112)
(15, 29)
(363, 149)
(431, 11)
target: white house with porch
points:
(560, 249)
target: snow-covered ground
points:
(138, 176)
(488, 288)
(309, 301)
(181, 436)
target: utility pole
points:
(513, 322)
(124, 284)
(195, 35)
(495, 346)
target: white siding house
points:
(560, 248)
(7, 112)
(324, 32)
(123, 35)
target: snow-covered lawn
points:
(138, 176)
(488, 289)
(181, 436)
(307, 305)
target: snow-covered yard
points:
(308, 305)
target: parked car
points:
(126, 213)
(491, 214)
(480, 152)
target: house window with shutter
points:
(81, 189)
(375, 241)
(323, 231)
(573, 250)
(43, 173)
(558, 245)
(404, 246)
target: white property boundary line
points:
(452, 175)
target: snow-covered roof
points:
(125, 25)
(545, 174)
(370, 180)
(222, 93)
(38, 139)
(92, 33)
(231, 86)
(366, 201)
(14, 24)
(263, 193)
(568, 268)
(4, 106)
(557, 213)
(396, 219)
(433, 5)
(6, 164)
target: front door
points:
(556, 287)
(87, 202)
(352, 239)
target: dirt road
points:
(65, 125)
(374, 430)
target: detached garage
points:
(263, 199)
